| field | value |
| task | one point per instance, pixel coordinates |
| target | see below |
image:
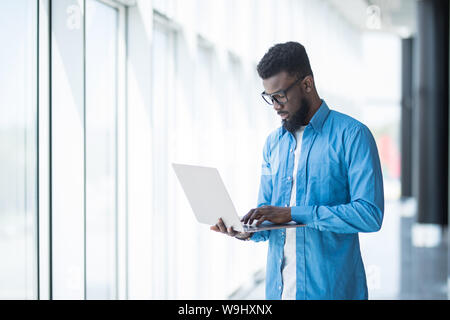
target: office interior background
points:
(99, 97)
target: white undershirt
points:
(289, 270)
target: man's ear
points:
(308, 84)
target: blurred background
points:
(97, 98)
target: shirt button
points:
(281, 260)
(289, 178)
(279, 287)
(291, 150)
(285, 205)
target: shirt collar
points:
(318, 118)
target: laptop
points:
(209, 199)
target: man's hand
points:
(269, 213)
(220, 227)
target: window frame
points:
(44, 158)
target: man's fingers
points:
(221, 226)
(255, 216)
(261, 220)
(231, 232)
(247, 216)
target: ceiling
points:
(395, 16)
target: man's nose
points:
(277, 106)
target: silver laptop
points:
(209, 199)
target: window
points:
(18, 140)
(162, 93)
(101, 150)
(67, 150)
(85, 197)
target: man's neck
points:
(315, 105)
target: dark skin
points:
(304, 89)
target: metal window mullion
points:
(84, 145)
(121, 176)
(44, 155)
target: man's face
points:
(293, 113)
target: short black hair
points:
(290, 57)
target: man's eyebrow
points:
(277, 91)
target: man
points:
(320, 168)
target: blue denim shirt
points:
(339, 193)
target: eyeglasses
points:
(280, 96)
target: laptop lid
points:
(207, 195)
(209, 199)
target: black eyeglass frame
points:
(271, 97)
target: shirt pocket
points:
(328, 182)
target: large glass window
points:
(84, 149)
(18, 124)
(162, 63)
(67, 150)
(101, 150)
(139, 154)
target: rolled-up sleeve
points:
(364, 212)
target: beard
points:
(299, 118)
